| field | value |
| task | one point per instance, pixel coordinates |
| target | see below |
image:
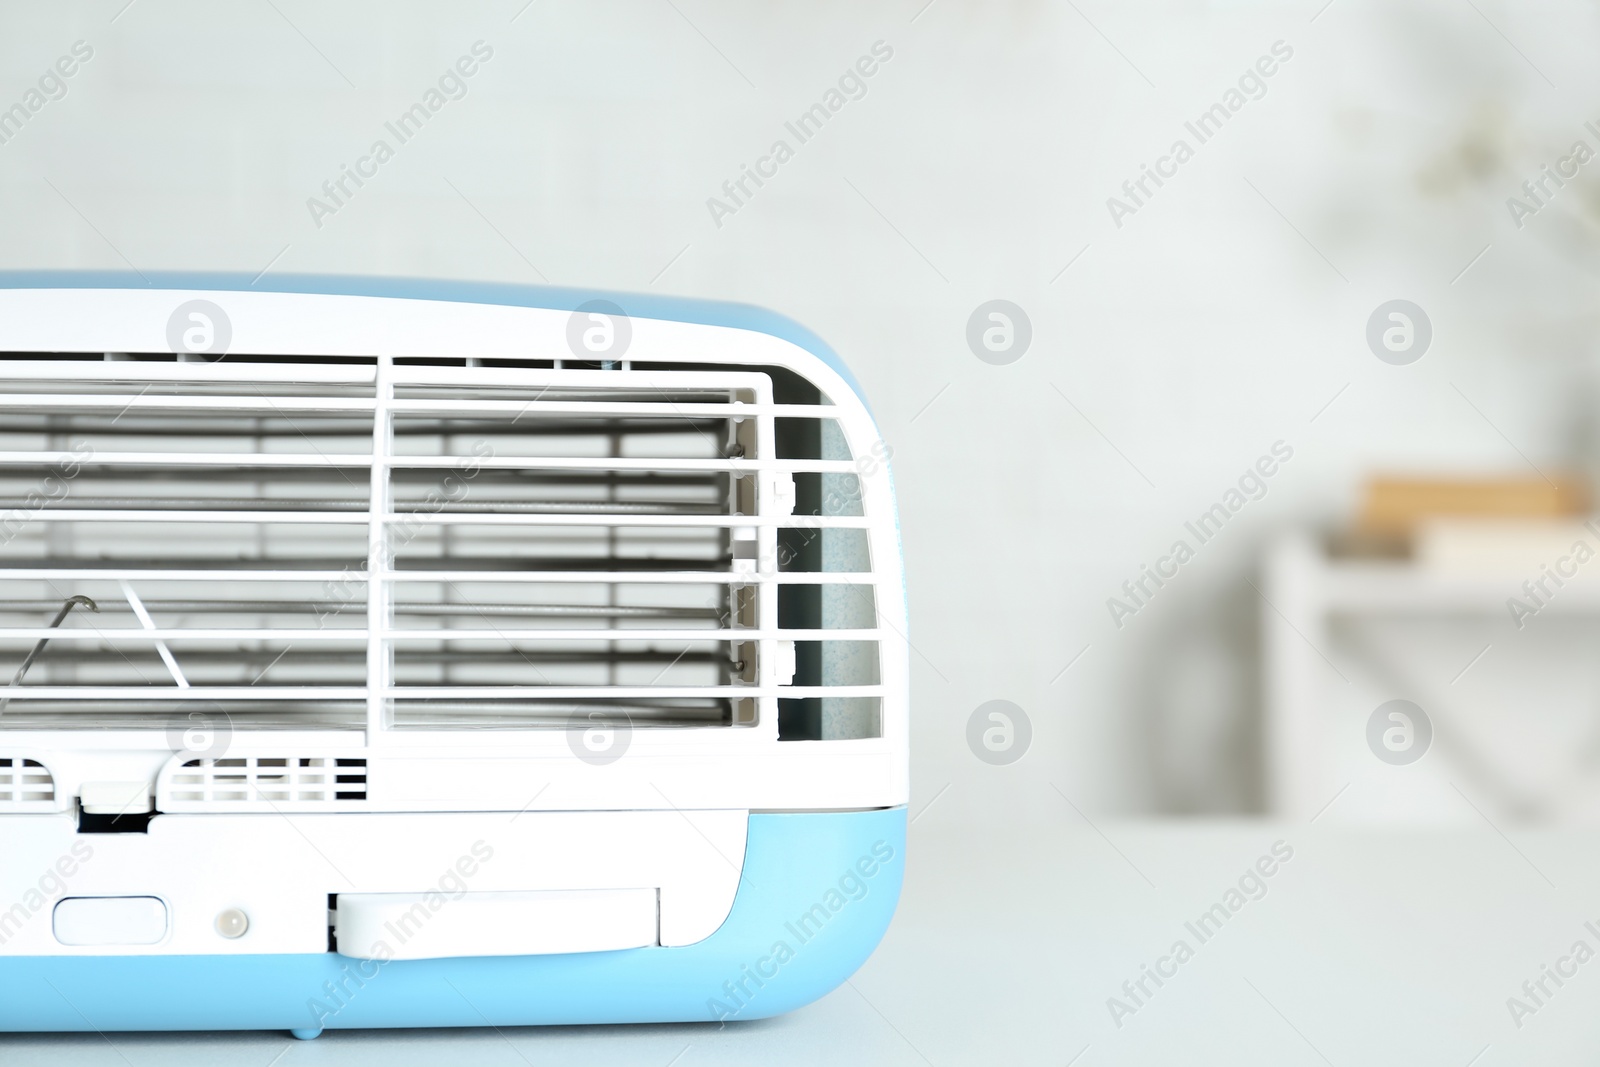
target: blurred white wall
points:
(1219, 319)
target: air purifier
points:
(381, 653)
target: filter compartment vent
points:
(262, 782)
(26, 785)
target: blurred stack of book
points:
(1479, 524)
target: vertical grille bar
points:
(380, 557)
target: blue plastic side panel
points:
(817, 894)
(671, 309)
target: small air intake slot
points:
(25, 782)
(811, 545)
(296, 781)
(830, 718)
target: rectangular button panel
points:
(110, 920)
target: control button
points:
(110, 920)
(232, 923)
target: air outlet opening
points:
(356, 545)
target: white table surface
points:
(1370, 946)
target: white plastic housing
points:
(259, 817)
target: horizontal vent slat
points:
(236, 572)
(444, 518)
(236, 460)
(524, 692)
(680, 634)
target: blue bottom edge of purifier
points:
(816, 896)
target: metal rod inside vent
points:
(33, 654)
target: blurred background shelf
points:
(1367, 587)
(1340, 636)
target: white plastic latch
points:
(407, 926)
(780, 493)
(783, 662)
(116, 798)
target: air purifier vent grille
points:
(279, 546)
